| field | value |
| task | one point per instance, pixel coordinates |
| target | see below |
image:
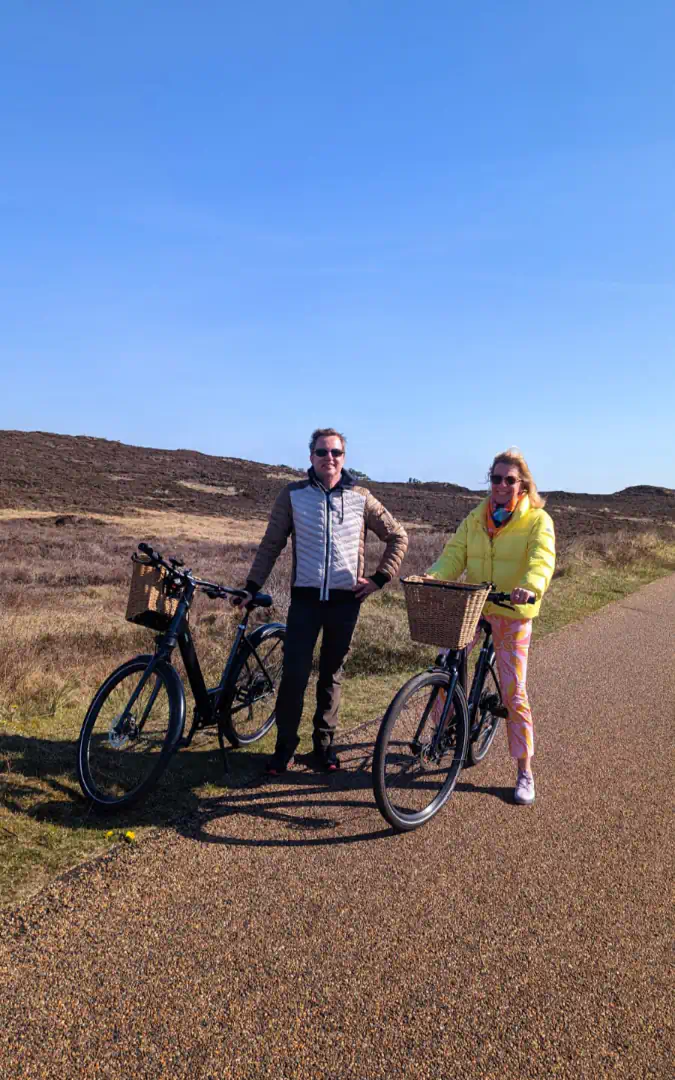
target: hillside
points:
(86, 475)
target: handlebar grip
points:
(147, 550)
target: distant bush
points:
(413, 480)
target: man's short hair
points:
(320, 432)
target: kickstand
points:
(226, 758)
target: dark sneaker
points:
(278, 765)
(327, 759)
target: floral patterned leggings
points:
(512, 643)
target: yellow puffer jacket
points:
(520, 555)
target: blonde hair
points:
(325, 431)
(513, 456)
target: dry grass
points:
(63, 591)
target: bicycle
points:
(432, 730)
(136, 720)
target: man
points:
(327, 517)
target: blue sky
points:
(442, 228)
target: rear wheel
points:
(250, 712)
(129, 733)
(487, 720)
(415, 766)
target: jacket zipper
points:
(326, 569)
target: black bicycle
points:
(432, 730)
(136, 720)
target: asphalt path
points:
(284, 931)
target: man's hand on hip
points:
(363, 588)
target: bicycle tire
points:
(245, 718)
(487, 726)
(402, 761)
(120, 759)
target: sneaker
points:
(278, 765)
(523, 793)
(327, 759)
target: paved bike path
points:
(287, 933)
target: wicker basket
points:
(150, 603)
(443, 612)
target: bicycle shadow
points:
(38, 781)
(337, 808)
(249, 808)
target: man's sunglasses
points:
(510, 480)
(322, 452)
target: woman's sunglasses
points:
(510, 480)
(322, 452)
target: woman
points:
(508, 540)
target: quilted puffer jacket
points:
(328, 533)
(521, 555)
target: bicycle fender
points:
(264, 631)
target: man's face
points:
(328, 459)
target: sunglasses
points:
(510, 480)
(322, 452)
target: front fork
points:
(121, 727)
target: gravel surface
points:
(285, 932)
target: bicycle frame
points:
(455, 662)
(178, 634)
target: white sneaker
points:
(523, 793)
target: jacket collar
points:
(346, 480)
(521, 510)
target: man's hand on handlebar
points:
(237, 601)
(522, 596)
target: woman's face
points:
(506, 482)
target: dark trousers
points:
(307, 616)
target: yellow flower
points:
(108, 834)
(130, 836)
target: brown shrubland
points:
(63, 592)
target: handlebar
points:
(505, 597)
(212, 590)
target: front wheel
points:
(129, 733)
(420, 750)
(250, 711)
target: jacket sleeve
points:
(541, 556)
(452, 560)
(274, 541)
(392, 534)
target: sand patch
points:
(209, 489)
(288, 476)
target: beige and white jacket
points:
(328, 533)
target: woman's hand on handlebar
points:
(521, 596)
